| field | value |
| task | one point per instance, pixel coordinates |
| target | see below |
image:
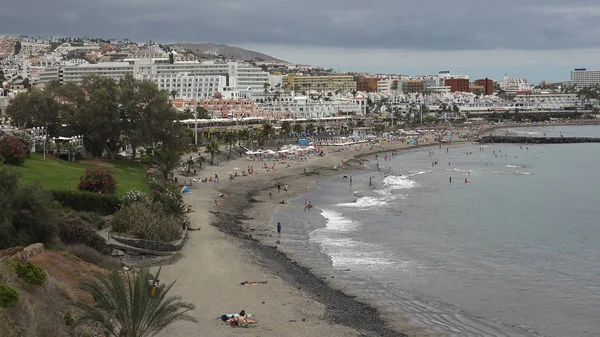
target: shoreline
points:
(215, 255)
(341, 308)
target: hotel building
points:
(237, 75)
(582, 77)
(344, 83)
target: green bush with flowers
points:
(12, 150)
(98, 180)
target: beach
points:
(237, 243)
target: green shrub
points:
(9, 296)
(31, 273)
(103, 204)
(72, 229)
(147, 220)
(68, 318)
(98, 180)
(26, 212)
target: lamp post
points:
(44, 136)
(196, 124)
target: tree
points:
(230, 138)
(320, 128)
(202, 113)
(298, 129)
(26, 213)
(243, 136)
(266, 132)
(35, 108)
(166, 161)
(147, 115)
(286, 127)
(310, 127)
(132, 306)
(99, 119)
(213, 148)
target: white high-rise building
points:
(188, 86)
(582, 77)
(237, 75)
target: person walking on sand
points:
(279, 229)
(286, 187)
(278, 188)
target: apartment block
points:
(367, 84)
(343, 83)
(487, 84)
(457, 84)
(582, 77)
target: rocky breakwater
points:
(536, 140)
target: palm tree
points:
(320, 128)
(213, 148)
(286, 127)
(298, 129)
(132, 306)
(310, 127)
(266, 132)
(243, 136)
(166, 161)
(230, 138)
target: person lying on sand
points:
(218, 204)
(224, 195)
(243, 320)
(282, 202)
(251, 283)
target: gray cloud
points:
(381, 24)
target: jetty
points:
(536, 140)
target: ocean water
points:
(515, 251)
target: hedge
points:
(103, 204)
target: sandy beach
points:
(237, 243)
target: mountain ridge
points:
(226, 51)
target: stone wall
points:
(22, 253)
(151, 245)
(537, 140)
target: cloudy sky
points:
(536, 39)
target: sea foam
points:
(399, 182)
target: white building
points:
(301, 107)
(584, 78)
(384, 85)
(547, 100)
(512, 85)
(115, 70)
(240, 76)
(188, 86)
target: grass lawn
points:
(54, 173)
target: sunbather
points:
(243, 320)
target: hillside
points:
(227, 52)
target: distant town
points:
(230, 87)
